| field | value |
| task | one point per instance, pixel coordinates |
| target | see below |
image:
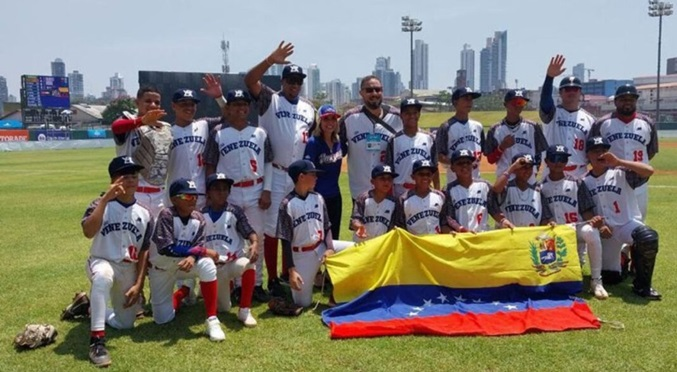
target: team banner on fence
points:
(12, 135)
(500, 282)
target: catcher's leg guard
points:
(644, 251)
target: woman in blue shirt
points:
(324, 150)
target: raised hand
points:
(555, 67)
(151, 118)
(212, 86)
(609, 159)
(114, 190)
(279, 55)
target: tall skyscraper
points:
(58, 68)
(76, 85)
(390, 79)
(336, 93)
(468, 64)
(493, 63)
(461, 79)
(355, 94)
(420, 65)
(312, 82)
(4, 92)
(579, 71)
(116, 89)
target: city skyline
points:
(468, 64)
(420, 64)
(344, 51)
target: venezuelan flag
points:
(499, 282)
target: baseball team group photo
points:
(290, 232)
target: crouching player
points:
(121, 229)
(226, 229)
(466, 197)
(180, 239)
(517, 202)
(612, 182)
(304, 228)
(568, 200)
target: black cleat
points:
(98, 354)
(276, 289)
(648, 293)
(260, 294)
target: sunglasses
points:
(187, 197)
(558, 159)
(518, 102)
(373, 89)
(294, 81)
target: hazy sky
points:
(100, 37)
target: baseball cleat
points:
(597, 289)
(245, 316)
(260, 295)
(276, 289)
(98, 354)
(648, 293)
(77, 308)
(214, 330)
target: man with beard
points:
(364, 132)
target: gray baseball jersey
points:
(468, 206)
(422, 216)
(378, 218)
(614, 195)
(303, 221)
(186, 153)
(529, 139)
(521, 207)
(173, 230)
(226, 231)
(568, 128)
(402, 151)
(566, 200)
(634, 141)
(457, 135)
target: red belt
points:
(408, 186)
(248, 183)
(306, 248)
(280, 167)
(148, 190)
(570, 168)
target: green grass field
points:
(487, 118)
(45, 193)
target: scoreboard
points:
(46, 92)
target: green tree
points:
(116, 108)
(443, 100)
(319, 99)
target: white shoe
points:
(245, 316)
(214, 330)
(598, 290)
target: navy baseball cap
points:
(570, 81)
(626, 90)
(183, 186)
(123, 165)
(218, 177)
(462, 92)
(328, 111)
(557, 150)
(410, 102)
(185, 94)
(462, 154)
(302, 166)
(292, 70)
(528, 157)
(422, 165)
(595, 142)
(234, 95)
(515, 93)
(380, 170)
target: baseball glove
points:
(34, 336)
(279, 306)
(78, 308)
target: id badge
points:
(373, 142)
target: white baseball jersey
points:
(126, 143)
(186, 153)
(529, 139)
(226, 231)
(125, 231)
(468, 206)
(634, 141)
(364, 140)
(565, 200)
(377, 218)
(422, 216)
(170, 230)
(614, 195)
(240, 154)
(303, 221)
(521, 207)
(570, 129)
(402, 151)
(457, 135)
(287, 124)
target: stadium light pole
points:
(659, 9)
(411, 25)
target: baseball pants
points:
(162, 275)
(589, 236)
(247, 198)
(110, 281)
(642, 194)
(307, 264)
(154, 201)
(224, 274)
(611, 248)
(281, 186)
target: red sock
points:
(270, 256)
(209, 293)
(97, 334)
(248, 282)
(179, 295)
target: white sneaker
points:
(245, 316)
(214, 330)
(598, 290)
